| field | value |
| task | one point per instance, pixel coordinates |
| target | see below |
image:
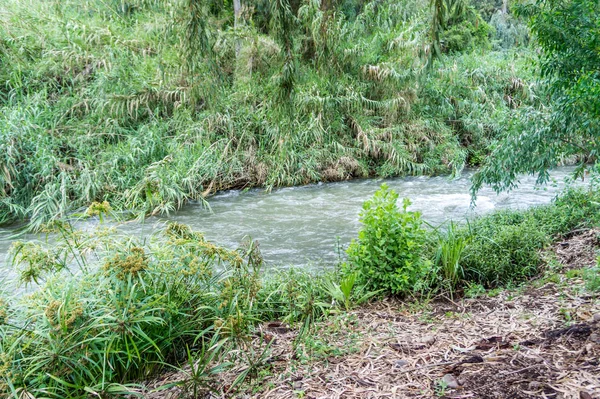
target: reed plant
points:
(142, 104)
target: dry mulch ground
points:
(542, 341)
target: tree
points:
(237, 13)
(443, 12)
(568, 33)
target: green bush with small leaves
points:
(389, 253)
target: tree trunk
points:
(504, 6)
(237, 12)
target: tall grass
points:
(121, 101)
(449, 254)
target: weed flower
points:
(128, 264)
(58, 316)
(98, 208)
(3, 312)
(33, 260)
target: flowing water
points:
(305, 226)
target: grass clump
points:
(448, 263)
(112, 311)
(504, 247)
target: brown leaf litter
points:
(578, 248)
(542, 341)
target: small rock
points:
(400, 363)
(535, 385)
(595, 337)
(450, 381)
(596, 318)
(428, 339)
(297, 385)
(584, 395)
(537, 359)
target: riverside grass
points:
(113, 101)
(112, 312)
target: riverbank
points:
(111, 311)
(541, 339)
(120, 102)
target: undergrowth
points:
(394, 254)
(109, 311)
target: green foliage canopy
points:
(568, 33)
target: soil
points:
(539, 341)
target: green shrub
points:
(389, 252)
(467, 36)
(575, 208)
(504, 248)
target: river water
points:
(304, 226)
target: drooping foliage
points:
(566, 127)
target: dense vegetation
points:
(141, 105)
(114, 311)
(395, 254)
(147, 103)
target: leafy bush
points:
(389, 252)
(467, 36)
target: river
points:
(302, 226)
